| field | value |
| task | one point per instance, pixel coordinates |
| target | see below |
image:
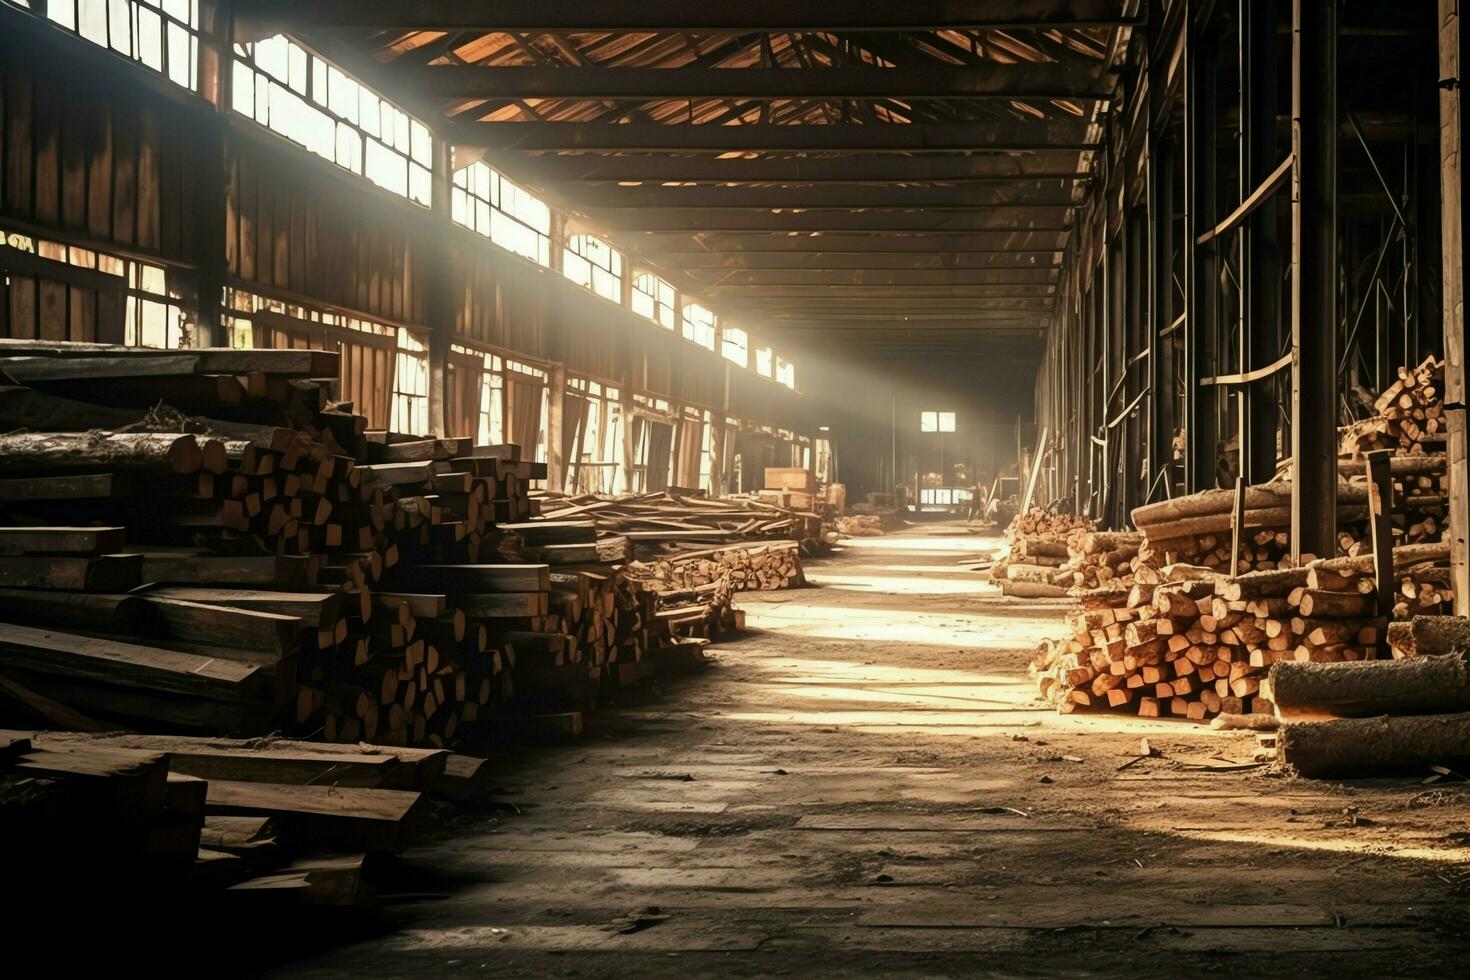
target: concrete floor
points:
(864, 785)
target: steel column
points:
(1201, 282)
(1313, 283)
(1260, 251)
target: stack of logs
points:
(1100, 560)
(1409, 415)
(1359, 719)
(1191, 643)
(304, 572)
(1037, 543)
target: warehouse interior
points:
(751, 489)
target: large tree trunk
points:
(1213, 503)
(1034, 590)
(1361, 746)
(99, 450)
(1429, 636)
(1421, 685)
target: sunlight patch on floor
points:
(914, 545)
(940, 629)
(852, 672)
(907, 585)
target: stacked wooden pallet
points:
(1196, 644)
(268, 825)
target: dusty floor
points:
(864, 785)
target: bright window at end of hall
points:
(653, 298)
(160, 34)
(699, 325)
(785, 372)
(735, 345)
(592, 263)
(312, 103)
(764, 362)
(936, 421)
(510, 216)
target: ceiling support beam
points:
(555, 137)
(680, 16)
(983, 169)
(969, 198)
(1015, 81)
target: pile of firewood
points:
(747, 567)
(1410, 415)
(1100, 559)
(1038, 550)
(1196, 644)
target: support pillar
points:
(1452, 142)
(1313, 282)
(1260, 250)
(1161, 316)
(1201, 281)
(212, 183)
(556, 400)
(439, 303)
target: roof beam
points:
(1016, 81)
(679, 16)
(994, 137)
(763, 264)
(850, 278)
(1016, 217)
(971, 197)
(982, 169)
(673, 244)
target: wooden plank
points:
(128, 664)
(220, 626)
(237, 760)
(373, 820)
(61, 540)
(285, 571)
(313, 609)
(503, 605)
(107, 573)
(422, 605)
(471, 579)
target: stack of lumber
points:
(1380, 716)
(1038, 549)
(301, 571)
(1409, 415)
(748, 567)
(860, 526)
(280, 824)
(1196, 644)
(671, 520)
